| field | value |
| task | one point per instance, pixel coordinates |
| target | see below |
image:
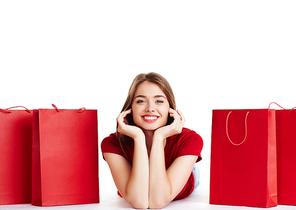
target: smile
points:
(150, 118)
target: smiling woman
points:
(150, 107)
(151, 157)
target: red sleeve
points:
(110, 144)
(190, 144)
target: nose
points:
(150, 108)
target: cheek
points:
(136, 113)
(165, 113)
(135, 118)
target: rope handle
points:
(292, 109)
(277, 105)
(78, 111)
(246, 130)
(281, 106)
(13, 107)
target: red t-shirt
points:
(187, 142)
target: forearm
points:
(138, 185)
(160, 189)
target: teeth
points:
(150, 118)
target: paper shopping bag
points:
(15, 156)
(243, 158)
(65, 157)
(286, 156)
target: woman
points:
(151, 157)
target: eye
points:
(140, 101)
(159, 101)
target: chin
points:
(151, 127)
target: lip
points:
(150, 118)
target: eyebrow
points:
(156, 96)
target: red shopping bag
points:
(65, 157)
(15, 156)
(243, 158)
(286, 156)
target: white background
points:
(215, 54)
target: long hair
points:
(153, 78)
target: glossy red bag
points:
(65, 157)
(286, 156)
(15, 156)
(243, 158)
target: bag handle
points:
(78, 111)
(246, 130)
(281, 106)
(13, 107)
(277, 105)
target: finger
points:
(125, 113)
(129, 111)
(172, 114)
(122, 121)
(181, 117)
(180, 120)
(175, 114)
(121, 117)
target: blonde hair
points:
(153, 78)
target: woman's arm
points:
(164, 184)
(131, 181)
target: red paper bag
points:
(15, 156)
(243, 158)
(65, 157)
(286, 156)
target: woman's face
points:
(150, 107)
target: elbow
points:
(157, 206)
(159, 200)
(139, 205)
(137, 199)
(160, 204)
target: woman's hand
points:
(174, 128)
(126, 129)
